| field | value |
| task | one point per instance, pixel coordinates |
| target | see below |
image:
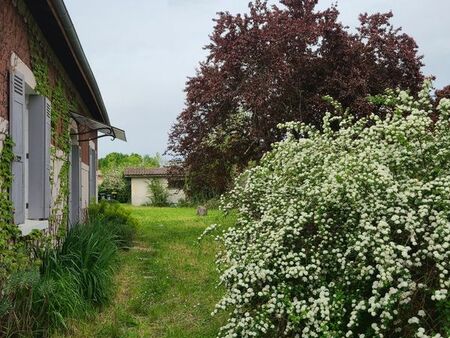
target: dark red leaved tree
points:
(272, 65)
(443, 93)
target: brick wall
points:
(13, 38)
(85, 146)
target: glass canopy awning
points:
(114, 132)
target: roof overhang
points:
(162, 172)
(93, 125)
(53, 19)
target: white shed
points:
(172, 181)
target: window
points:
(30, 119)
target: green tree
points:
(119, 160)
(112, 167)
(158, 193)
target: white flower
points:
(334, 228)
(413, 320)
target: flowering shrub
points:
(344, 231)
(157, 193)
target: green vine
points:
(60, 92)
(60, 120)
(54, 84)
(12, 256)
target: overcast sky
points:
(142, 51)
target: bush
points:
(72, 278)
(35, 304)
(118, 221)
(185, 203)
(345, 231)
(89, 254)
(157, 193)
(57, 298)
(17, 317)
(112, 167)
(115, 185)
(213, 203)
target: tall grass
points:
(119, 221)
(36, 303)
(88, 253)
(168, 284)
(70, 279)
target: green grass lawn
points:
(166, 284)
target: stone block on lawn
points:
(202, 211)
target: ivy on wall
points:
(12, 254)
(12, 246)
(60, 126)
(57, 91)
(58, 88)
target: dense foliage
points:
(71, 278)
(443, 93)
(119, 221)
(117, 160)
(157, 193)
(112, 167)
(345, 231)
(12, 254)
(273, 65)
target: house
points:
(51, 116)
(172, 181)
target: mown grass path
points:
(166, 285)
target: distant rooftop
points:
(152, 172)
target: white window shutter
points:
(39, 158)
(16, 120)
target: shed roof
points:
(152, 172)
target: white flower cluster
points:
(345, 232)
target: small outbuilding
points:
(172, 181)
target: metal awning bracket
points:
(109, 132)
(95, 126)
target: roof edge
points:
(62, 15)
(143, 172)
